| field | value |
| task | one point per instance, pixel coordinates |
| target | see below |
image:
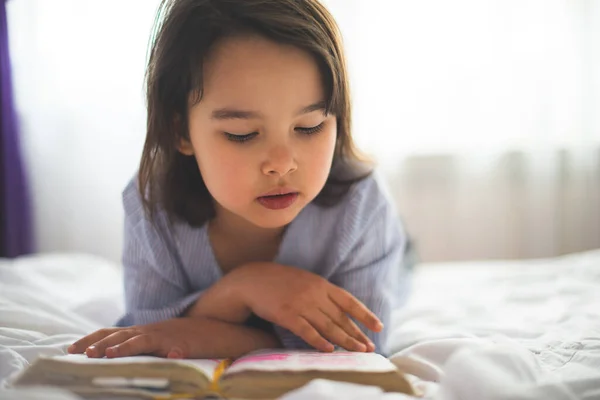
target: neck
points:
(238, 230)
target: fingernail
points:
(175, 353)
(90, 350)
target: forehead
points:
(255, 71)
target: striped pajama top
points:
(357, 244)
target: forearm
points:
(227, 340)
(222, 301)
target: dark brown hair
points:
(184, 33)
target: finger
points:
(98, 349)
(302, 328)
(346, 324)
(331, 331)
(139, 344)
(175, 352)
(353, 307)
(82, 344)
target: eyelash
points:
(312, 130)
(239, 138)
(244, 138)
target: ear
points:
(185, 147)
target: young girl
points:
(252, 223)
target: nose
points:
(280, 161)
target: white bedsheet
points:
(481, 330)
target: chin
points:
(274, 219)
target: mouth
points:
(279, 199)
(281, 191)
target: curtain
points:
(15, 231)
(78, 69)
(483, 115)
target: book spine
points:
(212, 389)
(219, 371)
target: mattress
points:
(475, 330)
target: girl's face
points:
(260, 130)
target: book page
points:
(207, 366)
(300, 360)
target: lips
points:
(278, 192)
(278, 199)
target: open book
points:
(259, 375)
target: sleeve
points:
(156, 286)
(368, 261)
(374, 272)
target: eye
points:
(239, 138)
(311, 130)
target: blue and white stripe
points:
(357, 244)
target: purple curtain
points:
(15, 218)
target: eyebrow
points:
(230, 113)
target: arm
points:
(157, 289)
(293, 299)
(222, 301)
(150, 327)
(216, 337)
(176, 338)
(373, 270)
(157, 285)
(227, 340)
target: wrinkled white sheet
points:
(480, 330)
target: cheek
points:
(321, 155)
(223, 169)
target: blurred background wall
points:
(484, 117)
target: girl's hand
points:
(175, 338)
(171, 338)
(307, 305)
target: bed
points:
(474, 330)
